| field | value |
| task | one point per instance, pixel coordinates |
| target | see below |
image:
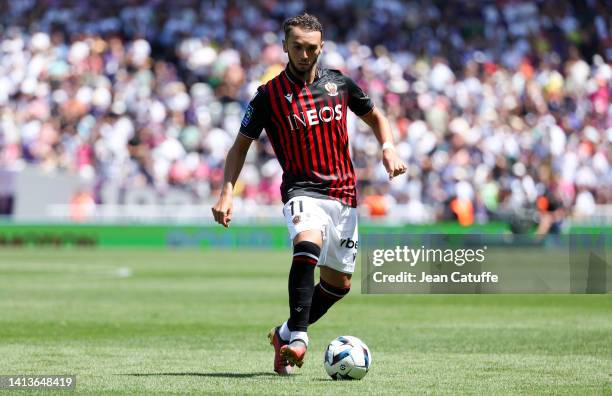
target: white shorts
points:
(338, 225)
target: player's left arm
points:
(379, 124)
(361, 104)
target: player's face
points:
(303, 48)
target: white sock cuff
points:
(284, 332)
(299, 335)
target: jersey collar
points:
(297, 80)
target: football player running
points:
(304, 111)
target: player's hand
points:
(222, 210)
(393, 163)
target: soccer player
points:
(303, 111)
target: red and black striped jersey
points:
(306, 125)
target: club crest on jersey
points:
(331, 88)
(289, 97)
(296, 219)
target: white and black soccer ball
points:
(346, 358)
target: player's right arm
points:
(222, 210)
(253, 123)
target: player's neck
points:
(308, 77)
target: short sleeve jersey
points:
(306, 125)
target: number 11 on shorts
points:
(301, 204)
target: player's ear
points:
(285, 46)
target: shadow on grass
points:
(331, 381)
(210, 375)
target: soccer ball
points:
(346, 358)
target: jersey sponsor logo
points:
(289, 97)
(349, 243)
(331, 88)
(247, 116)
(313, 117)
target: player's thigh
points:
(336, 278)
(342, 242)
(306, 220)
(314, 236)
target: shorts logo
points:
(331, 88)
(296, 219)
(247, 116)
(349, 243)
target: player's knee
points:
(336, 278)
(306, 250)
(346, 281)
(343, 282)
(337, 291)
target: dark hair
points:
(305, 21)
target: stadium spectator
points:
(492, 106)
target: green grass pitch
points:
(145, 321)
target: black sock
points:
(301, 284)
(324, 296)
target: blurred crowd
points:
(497, 106)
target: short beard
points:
(305, 74)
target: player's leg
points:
(305, 222)
(332, 287)
(306, 252)
(339, 263)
